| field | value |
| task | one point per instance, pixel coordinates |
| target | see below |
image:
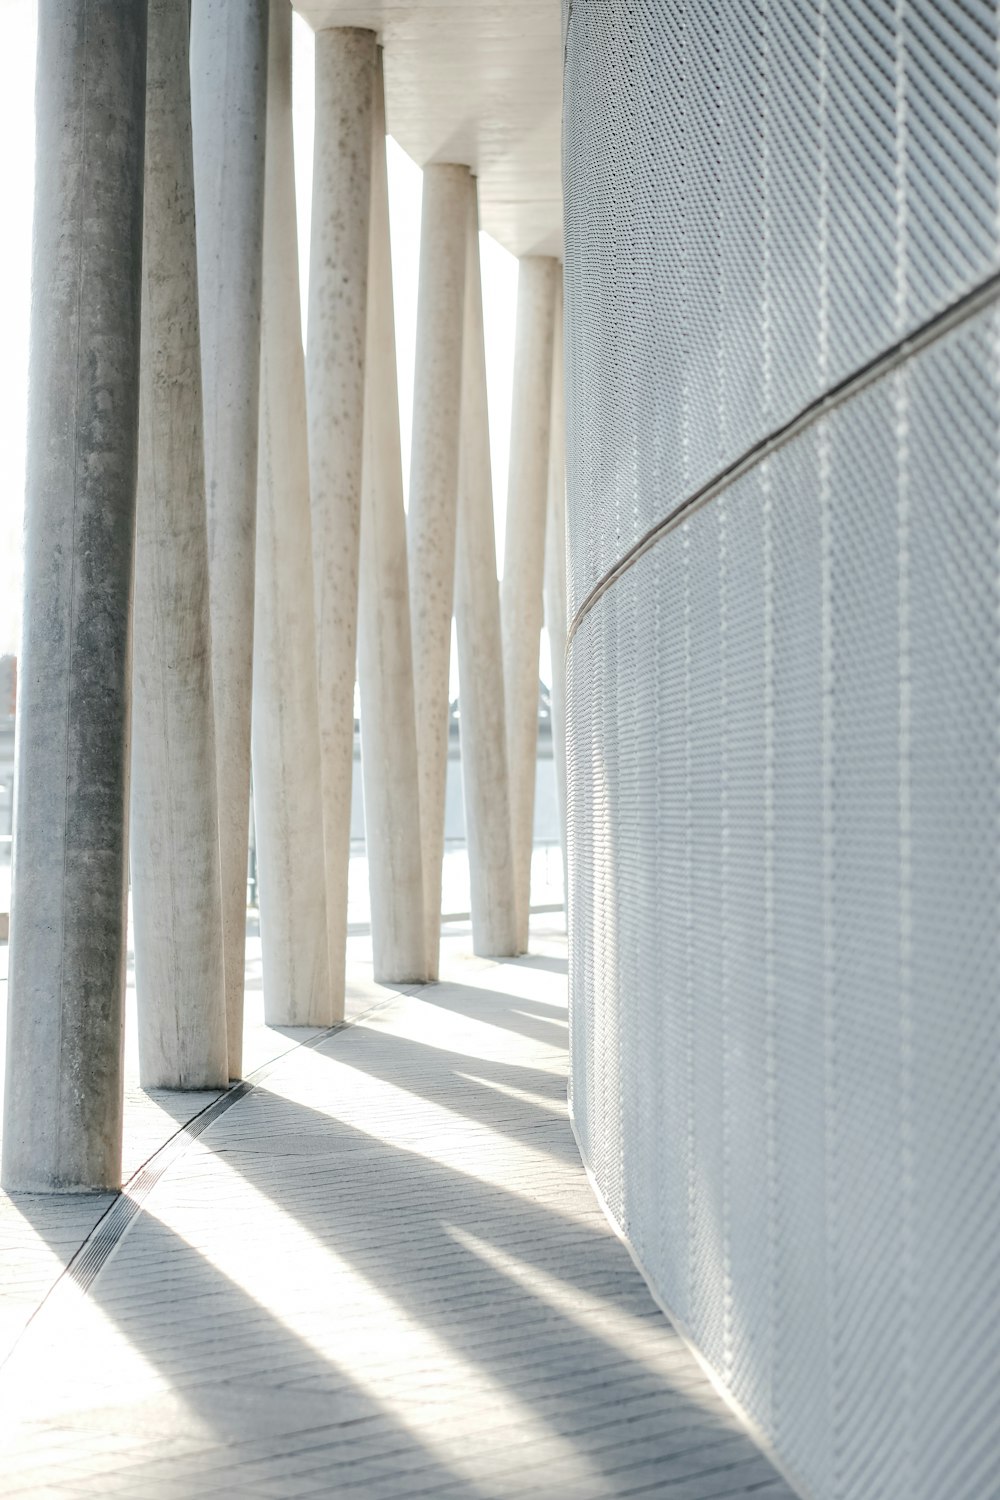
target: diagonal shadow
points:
(263, 1394)
(387, 1254)
(482, 1090)
(505, 1011)
(219, 1408)
(545, 961)
(404, 1220)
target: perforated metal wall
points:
(784, 712)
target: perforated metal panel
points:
(759, 198)
(784, 710)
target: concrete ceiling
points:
(478, 82)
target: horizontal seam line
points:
(944, 322)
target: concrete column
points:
(385, 660)
(338, 295)
(555, 569)
(228, 103)
(176, 893)
(63, 1101)
(480, 653)
(524, 555)
(287, 787)
(431, 519)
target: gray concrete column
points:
(431, 518)
(228, 103)
(287, 788)
(555, 569)
(480, 653)
(524, 554)
(63, 1100)
(385, 659)
(335, 370)
(176, 891)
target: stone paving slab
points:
(381, 1273)
(40, 1234)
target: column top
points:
(479, 83)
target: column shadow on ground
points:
(508, 1012)
(536, 1295)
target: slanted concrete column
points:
(176, 894)
(480, 655)
(287, 788)
(63, 1100)
(228, 103)
(385, 660)
(338, 295)
(431, 518)
(524, 555)
(555, 570)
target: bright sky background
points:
(17, 129)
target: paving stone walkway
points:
(381, 1272)
(39, 1235)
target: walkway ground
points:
(381, 1272)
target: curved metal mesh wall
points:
(759, 197)
(784, 715)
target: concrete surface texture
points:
(287, 787)
(335, 383)
(174, 833)
(385, 657)
(556, 622)
(433, 500)
(479, 83)
(380, 1273)
(67, 962)
(482, 721)
(524, 552)
(228, 104)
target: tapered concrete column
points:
(338, 295)
(555, 570)
(63, 1100)
(524, 555)
(385, 660)
(480, 654)
(431, 518)
(176, 894)
(228, 101)
(287, 788)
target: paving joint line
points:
(90, 1257)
